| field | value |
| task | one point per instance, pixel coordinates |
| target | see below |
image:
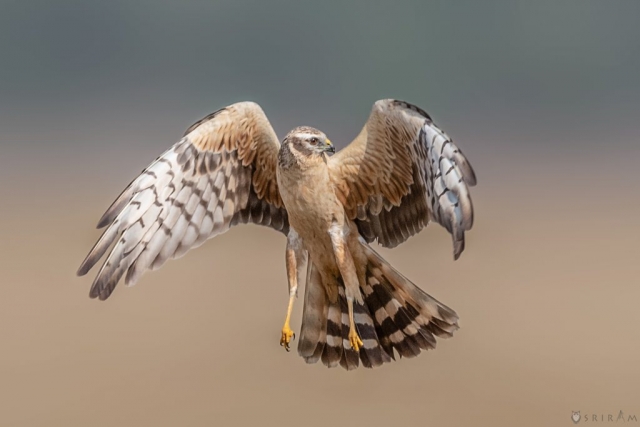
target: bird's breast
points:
(310, 200)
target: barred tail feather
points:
(396, 315)
(313, 332)
(372, 354)
(332, 353)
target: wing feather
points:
(221, 173)
(401, 172)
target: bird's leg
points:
(287, 333)
(354, 338)
(349, 277)
(296, 259)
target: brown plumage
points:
(399, 173)
(221, 173)
(390, 178)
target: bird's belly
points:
(310, 215)
(312, 209)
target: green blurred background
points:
(544, 99)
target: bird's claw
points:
(287, 336)
(354, 340)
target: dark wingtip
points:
(469, 173)
(100, 294)
(458, 248)
(81, 271)
(95, 291)
(472, 214)
(87, 264)
(104, 220)
(471, 180)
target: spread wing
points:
(399, 173)
(221, 173)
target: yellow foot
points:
(354, 340)
(287, 336)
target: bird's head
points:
(308, 141)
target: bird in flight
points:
(397, 175)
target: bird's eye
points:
(314, 141)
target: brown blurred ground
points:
(547, 292)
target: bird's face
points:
(309, 141)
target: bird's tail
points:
(396, 314)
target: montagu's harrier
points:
(401, 172)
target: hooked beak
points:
(329, 147)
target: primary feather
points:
(399, 173)
(221, 173)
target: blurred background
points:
(544, 99)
